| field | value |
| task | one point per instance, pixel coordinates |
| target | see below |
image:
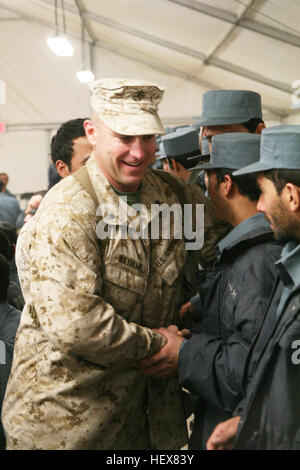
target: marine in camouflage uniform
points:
(91, 307)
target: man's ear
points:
(176, 166)
(261, 126)
(90, 131)
(62, 168)
(166, 166)
(291, 193)
(227, 185)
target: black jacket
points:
(271, 413)
(234, 296)
(9, 323)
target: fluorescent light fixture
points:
(85, 76)
(61, 46)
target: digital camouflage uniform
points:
(88, 319)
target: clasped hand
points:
(164, 363)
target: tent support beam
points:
(223, 65)
(228, 37)
(245, 23)
(276, 112)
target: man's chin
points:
(131, 184)
(282, 237)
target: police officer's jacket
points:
(270, 417)
(233, 298)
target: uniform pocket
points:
(170, 264)
(123, 288)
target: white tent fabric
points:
(187, 46)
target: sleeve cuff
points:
(182, 344)
(196, 302)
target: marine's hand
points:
(163, 363)
(223, 435)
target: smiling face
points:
(122, 159)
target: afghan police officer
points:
(230, 111)
(92, 306)
(227, 111)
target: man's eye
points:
(148, 137)
(125, 138)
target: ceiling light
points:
(85, 76)
(58, 43)
(61, 46)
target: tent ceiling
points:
(188, 46)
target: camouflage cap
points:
(128, 107)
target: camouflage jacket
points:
(88, 318)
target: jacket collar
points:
(289, 265)
(246, 230)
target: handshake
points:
(165, 362)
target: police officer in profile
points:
(226, 111)
(93, 306)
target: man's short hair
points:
(6, 247)
(62, 141)
(246, 184)
(252, 124)
(281, 177)
(10, 231)
(1, 185)
(4, 278)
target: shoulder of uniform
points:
(68, 192)
(165, 178)
(192, 192)
(65, 206)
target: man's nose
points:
(260, 205)
(137, 148)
